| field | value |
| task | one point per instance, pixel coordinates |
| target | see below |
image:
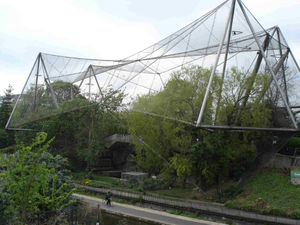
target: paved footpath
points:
(143, 213)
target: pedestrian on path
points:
(108, 198)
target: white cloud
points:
(62, 27)
(81, 28)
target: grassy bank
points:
(270, 192)
(95, 180)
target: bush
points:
(9, 149)
(153, 184)
(90, 175)
(293, 142)
(296, 214)
(132, 182)
(231, 190)
(85, 181)
(34, 181)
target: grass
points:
(96, 180)
(115, 183)
(177, 192)
(270, 192)
(111, 182)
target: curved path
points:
(143, 213)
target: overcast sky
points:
(110, 29)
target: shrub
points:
(293, 142)
(132, 182)
(296, 214)
(85, 182)
(231, 190)
(34, 181)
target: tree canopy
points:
(6, 136)
(185, 151)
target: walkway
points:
(205, 207)
(143, 213)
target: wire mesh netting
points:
(222, 70)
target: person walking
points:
(108, 198)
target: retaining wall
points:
(283, 161)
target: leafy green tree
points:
(6, 106)
(80, 131)
(213, 155)
(171, 141)
(180, 150)
(243, 102)
(99, 120)
(34, 182)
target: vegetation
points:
(270, 192)
(95, 180)
(79, 135)
(33, 182)
(6, 137)
(180, 155)
(178, 151)
(292, 147)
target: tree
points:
(34, 182)
(80, 131)
(6, 137)
(243, 101)
(99, 120)
(64, 91)
(171, 141)
(182, 150)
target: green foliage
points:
(6, 106)
(240, 100)
(63, 90)
(176, 192)
(293, 142)
(6, 137)
(176, 150)
(231, 190)
(132, 182)
(9, 149)
(150, 184)
(211, 158)
(34, 180)
(292, 147)
(168, 139)
(270, 192)
(80, 131)
(215, 156)
(182, 164)
(97, 181)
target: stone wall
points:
(283, 161)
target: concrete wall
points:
(282, 162)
